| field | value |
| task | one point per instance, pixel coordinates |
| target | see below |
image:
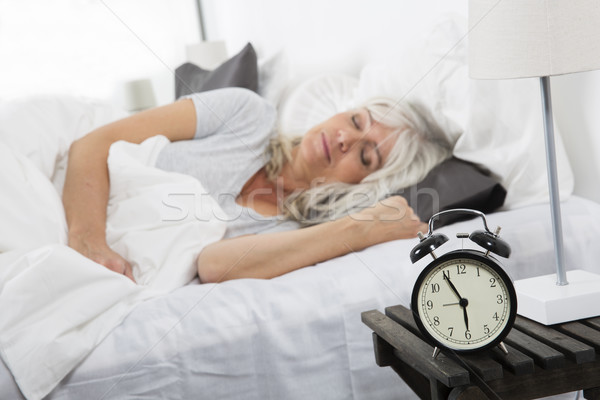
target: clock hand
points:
(463, 301)
(466, 316)
(453, 287)
(450, 304)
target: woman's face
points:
(345, 148)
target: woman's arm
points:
(86, 189)
(273, 254)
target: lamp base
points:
(542, 300)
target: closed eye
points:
(366, 155)
(370, 156)
(355, 121)
(364, 159)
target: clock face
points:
(464, 301)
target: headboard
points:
(307, 38)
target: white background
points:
(90, 48)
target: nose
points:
(346, 139)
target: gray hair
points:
(420, 146)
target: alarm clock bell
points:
(484, 238)
(427, 245)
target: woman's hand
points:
(102, 254)
(390, 219)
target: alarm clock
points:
(463, 300)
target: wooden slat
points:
(593, 322)
(404, 317)
(481, 365)
(516, 362)
(545, 356)
(573, 349)
(413, 351)
(581, 332)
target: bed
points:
(300, 335)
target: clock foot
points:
(436, 352)
(503, 347)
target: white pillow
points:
(273, 76)
(316, 100)
(495, 124)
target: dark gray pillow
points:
(454, 184)
(240, 70)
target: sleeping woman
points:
(332, 182)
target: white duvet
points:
(55, 304)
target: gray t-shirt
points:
(233, 129)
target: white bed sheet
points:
(300, 335)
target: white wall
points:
(90, 47)
(320, 36)
(576, 107)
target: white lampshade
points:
(533, 38)
(139, 95)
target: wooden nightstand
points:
(541, 360)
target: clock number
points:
(436, 321)
(486, 330)
(467, 334)
(478, 271)
(446, 274)
(496, 317)
(429, 305)
(451, 329)
(500, 300)
(435, 288)
(461, 269)
(492, 282)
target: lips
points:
(326, 148)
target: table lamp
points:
(540, 38)
(139, 95)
